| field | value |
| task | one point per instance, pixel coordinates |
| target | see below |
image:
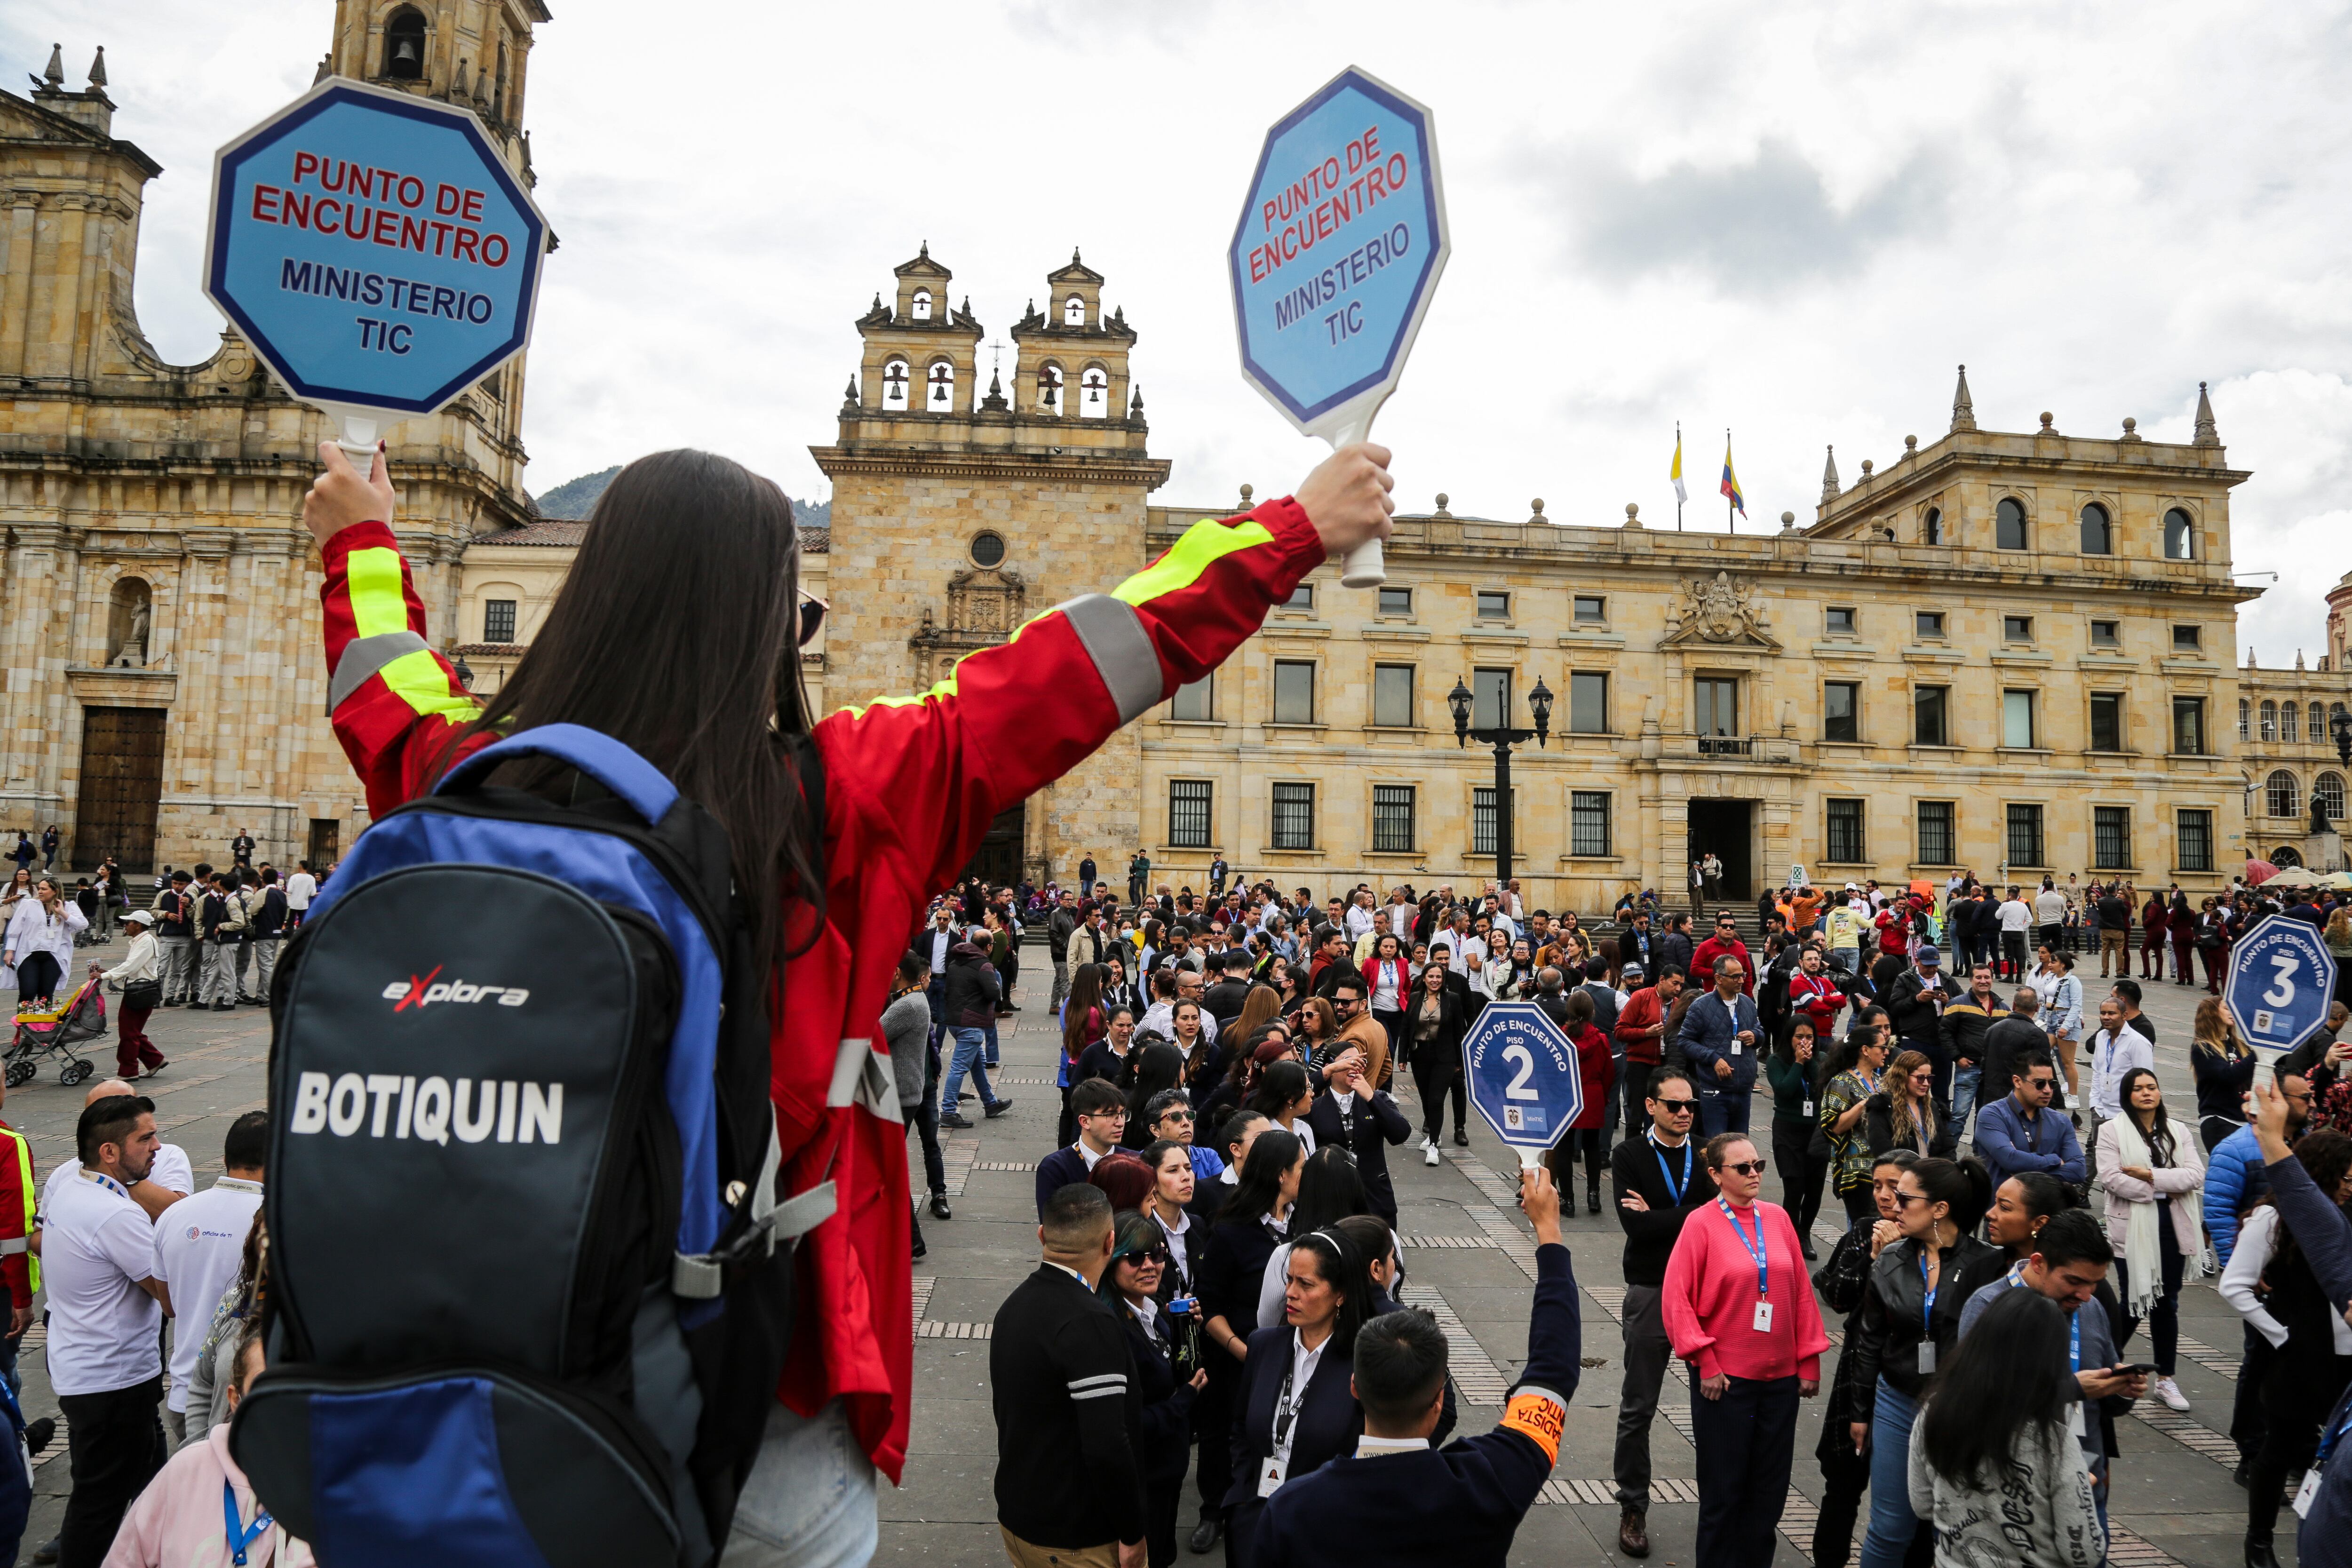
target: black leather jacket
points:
(1894, 1314)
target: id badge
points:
(1271, 1475)
(1735, 1046)
(2308, 1493)
(2074, 1417)
(1927, 1356)
(1763, 1316)
(1808, 1111)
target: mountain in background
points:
(574, 498)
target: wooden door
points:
(121, 785)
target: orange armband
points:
(1538, 1414)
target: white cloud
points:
(1790, 220)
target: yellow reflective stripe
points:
(30, 1200)
(1204, 545)
(421, 681)
(944, 689)
(373, 578)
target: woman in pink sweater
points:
(1738, 1307)
(184, 1518)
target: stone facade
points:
(140, 497)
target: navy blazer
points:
(1379, 1122)
(1162, 1430)
(1329, 1419)
(1061, 1168)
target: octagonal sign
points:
(2282, 978)
(1521, 1070)
(374, 248)
(1338, 252)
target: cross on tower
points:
(996, 356)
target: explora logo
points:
(415, 993)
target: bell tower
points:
(475, 53)
(958, 514)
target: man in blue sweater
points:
(1720, 1040)
(2019, 1133)
(2234, 1179)
(1398, 1501)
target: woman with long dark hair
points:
(1386, 983)
(1842, 1282)
(1158, 1068)
(2223, 1068)
(1295, 1407)
(1261, 1006)
(1161, 1430)
(1330, 1189)
(2154, 1176)
(1903, 1113)
(1432, 1031)
(2301, 1367)
(1992, 1462)
(1283, 1094)
(1849, 1081)
(1191, 1039)
(1789, 1072)
(1910, 1321)
(678, 634)
(1084, 1020)
(1253, 1220)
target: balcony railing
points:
(1773, 750)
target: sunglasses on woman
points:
(1748, 1167)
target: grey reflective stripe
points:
(16, 1244)
(363, 659)
(862, 1077)
(698, 1277)
(1122, 651)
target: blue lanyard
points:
(2327, 1443)
(1667, 1171)
(239, 1537)
(1755, 1251)
(1929, 1315)
(2074, 1330)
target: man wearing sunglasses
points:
(1658, 1180)
(2016, 1134)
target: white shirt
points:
(1180, 1251)
(2112, 1056)
(2014, 916)
(1360, 921)
(940, 942)
(200, 1247)
(1088, 1155)
(33, 929)
(96, 1247)
(1303, 1363)
(1160, 1018)
(2257, 1239)
(1401, 917)
(298, 888)
(138, 963)
(169, 1169)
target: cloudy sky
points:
(1790, 220)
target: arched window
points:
(1049, 387)
(2270, 719)
(1931, 527)
(2285, 856)
(2245, 719)
(2098, 531)
(893, 384)
(1074, 311)
(1093, 393)
(403, 45)
(2008, 525)
(920, 306)
(941, 397)
(2327, 789)
(2180, 536)
(2279, 793)
(2290, 722)
(499, 86)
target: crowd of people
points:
(1997, 1139)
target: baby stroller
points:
(55, 1031)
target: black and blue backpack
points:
(530, 1269)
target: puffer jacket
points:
(972, 988)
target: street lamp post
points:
(1539, 700)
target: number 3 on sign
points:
(2283, 993)
(1519, 1057)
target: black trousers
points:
(1802, 1175)
(2298, 1393)
(2247, 1423)
(1212, 1424)
(37, 974)
(115, 1445)
(1845, 1476)
(1160, 1497)
(1747, 1440)
(1435, 1075)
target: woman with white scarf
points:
(2154, 1180)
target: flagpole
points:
(1678, 465)
(1730, 526)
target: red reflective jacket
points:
(911, 784)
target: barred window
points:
(2328, 790)
(1481, 820)
(2291, 723)
(1393, 819)
(2111, 838)
(1935, 833)
(1842, 845)
(2194, 839)
(1188, 813)
(2280, 791)
(1588, 822)
(2025, 835)
(497, 620)
(1294, 816)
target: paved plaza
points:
(1470, 1261)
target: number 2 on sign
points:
(2283, 993)
(1525, 1062)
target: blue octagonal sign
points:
(1338, 252)
(374, 249)
(2282, 978)
(1522, 1074)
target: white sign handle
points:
(1529, 1159)
(357, 439)
(1365, 566)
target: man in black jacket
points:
(1658, 1180)
(1059, 926)
(1229, 987)
(1068, 1489)
(1961, 1033)
(1364, 1121)
(972, 993)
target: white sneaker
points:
(1427, 1144)
(1428, 1154)
(2169, 1391)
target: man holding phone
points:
(2069, 1263)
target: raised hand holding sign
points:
(1334, 261)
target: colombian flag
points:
(1731, 480)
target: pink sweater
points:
(1709, 1299)
(178, 1522)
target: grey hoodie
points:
(907, 1026)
